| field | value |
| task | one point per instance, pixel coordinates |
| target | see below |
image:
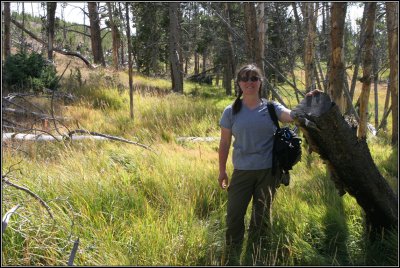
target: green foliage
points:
(29, 72)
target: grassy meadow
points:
(132, 206)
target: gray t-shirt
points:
(253, 132)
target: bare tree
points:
(128, 36)
(229, 67)
(51, 15)
(367, 70)
(337, 63)
(7, 39)
(309, 62)
(392, 11)
(95, 36)
(176, 72)
(356, 63)
(115, 35)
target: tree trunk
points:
(348, 158)
(357, 59)
(251, 31)
(7, 39)
(337, 62)
(299, 33)
(375, 69)
(392, 11)
(229, 68)
(261, 35)
(130, 73)
(367, 70)
(115, 36)
(95, 36)
(310, 46)
(176, 72)
(122, 52)
(383, 123)
(51, 15)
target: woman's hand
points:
(223, 180)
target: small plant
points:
(29, 72)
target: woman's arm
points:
(223, 152)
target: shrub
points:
(29, 72)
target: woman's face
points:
(249, 83)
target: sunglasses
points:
(252, 79)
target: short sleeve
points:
(226, 119)
(279, 108)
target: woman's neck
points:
(251, 101)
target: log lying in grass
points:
(44, 137)
(348, 159)
(72, 136)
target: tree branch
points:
(4, 179)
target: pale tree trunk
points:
(329, 43)
(310, 45)
(130, 73)
(337, 62)
(261, 25)
(299, 29)
(122, 52)
(367, 70)
(7, 39)
(261, 35)
(95, 36)
(51, 13)
(357, 59)
(229, 68)
(176, 73)
(392, 11)
(115, 36)
(383, 123)
(376, 82)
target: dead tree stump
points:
(348, 159)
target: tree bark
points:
(251, 31)
(115, 36)
(310, 46)
(130, 73)
(392, 10)
(357, 59)
(367, 70)
(229, 68)
(348, 158)
(337, 62)
(95, 36)
(176, 73)
(51, 15)
(7, 39)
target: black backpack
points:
(287, 147)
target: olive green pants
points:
(245, 185)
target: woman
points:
(248, 120)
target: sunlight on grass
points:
(131, 206)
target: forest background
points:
(147, 193)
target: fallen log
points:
(348, 159)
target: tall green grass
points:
(131, 206)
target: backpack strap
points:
(272, 113)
